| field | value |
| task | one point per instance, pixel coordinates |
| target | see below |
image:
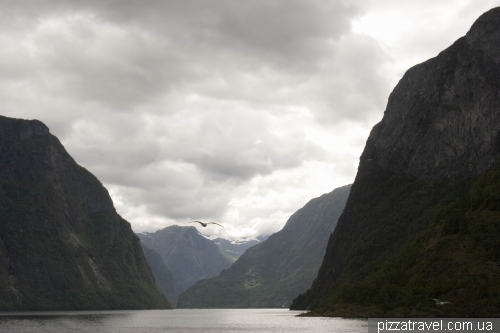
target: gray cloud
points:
(193, 109)
(124, 53)
(242, 145)
(291, 30)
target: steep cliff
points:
(273, 272)
(62, 244)
(439, 133)
(187, 254)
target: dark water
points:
(179, 320)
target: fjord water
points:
(178, 320)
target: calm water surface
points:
(179, 320)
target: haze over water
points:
(173, 321)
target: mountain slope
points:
(456, 259)
(62, 244)
(163, 277)
(273, 272)
(187, 254)
(439, 134)
(234, 249)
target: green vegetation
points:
(62, 244)
(455, 258)
(273, 272)
(422, 218)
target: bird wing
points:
(196, 222)
(215, 223)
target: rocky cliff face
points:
(62, 244)
(439, 133)
(441, 120)
(187, 254)
(273, 272)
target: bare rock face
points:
(439, 133)
(442, 119)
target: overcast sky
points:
(236, 111)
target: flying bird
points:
(203, 224)
(438, 302)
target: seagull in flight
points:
(203, 224)
(438, 302)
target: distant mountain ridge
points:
(273, 272)
(235, 248)
(422, 220)
(188, 255)
(62, 244)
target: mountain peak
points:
(486, 28)
(187, 254)
(441, 120)
(274, 271)
(419, 189)
(62, 244)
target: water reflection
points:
(64, 321)
(179, 320)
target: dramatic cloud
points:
(234, 111)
